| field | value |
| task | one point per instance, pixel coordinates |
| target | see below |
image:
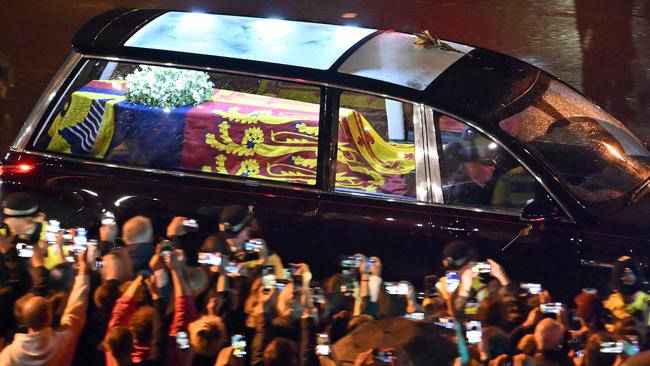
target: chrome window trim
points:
(44, 101)
(433, 158)
(507, 149)
(422, 175)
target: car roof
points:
(467, 81)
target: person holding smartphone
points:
(469, 278)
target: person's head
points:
(626, 276)
(119, 342)
(280, 352)
(495, 342)
(137, 230)
(493, 312)
(335, 300)
(20, 211)
(142, 325)
(61, 277)
(456, 255)
(36, 313)
(477, 155)
(107, 294)
(593, 356)
(197, 279)
(591, 310)
(549, 334)
(207, 335)
(19, 305)
(235, 225)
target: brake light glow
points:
(22, 168)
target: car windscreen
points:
(596, 157)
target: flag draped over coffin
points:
(233, 133)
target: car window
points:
(178, 119)
(376, 150)
(597, 158)
(476, 171)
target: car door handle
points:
(458, 226)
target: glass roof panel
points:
(393, 57)
(310, 45)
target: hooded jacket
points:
(52, 346)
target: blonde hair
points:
(137, 230)
(207, 335)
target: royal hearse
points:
(341, 139)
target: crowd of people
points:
(228, 299)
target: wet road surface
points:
(600, 47)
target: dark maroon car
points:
(342, 139)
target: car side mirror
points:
(540, 209)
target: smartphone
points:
(532, 288)
(253, 246)
(550, 307)
(323, 344)
(182, 341)
(430, 286)
(238, 343)
(383, 355)
(417, 315)
(268, 278)
(452, 281)
(166, 246)
(444, 323)
(482, 267)
(280, 284)
(631, 345)
(473, 332)
(25, 250)
(108, 218)
(397, 288)
(99, 263)
(67, 236)
(318, 295)
(611, 347)
(81, 236)
(351, 261)
(211, 259)
(53, 227)
(190, 225)
(471, 308)
(232, 269)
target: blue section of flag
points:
(145, 136)
(88, 89)
(83, 135)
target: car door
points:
(481, 193)
(376, 204)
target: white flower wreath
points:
(164, 87)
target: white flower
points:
(162, 87)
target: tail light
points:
(22, 168)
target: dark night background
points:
(600, 47)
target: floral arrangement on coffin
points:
(164, 87)
(427, 40)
